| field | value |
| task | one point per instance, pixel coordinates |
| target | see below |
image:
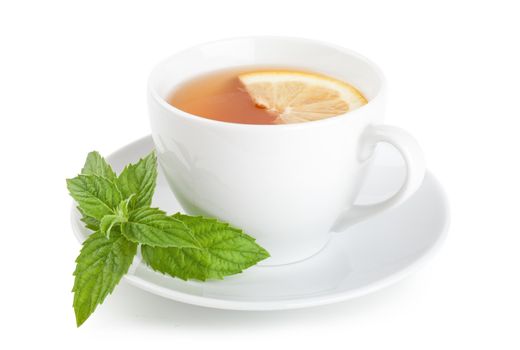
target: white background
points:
(72, 79)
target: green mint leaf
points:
(97, 165)
(99, 268)
(90, 222)
(153, 227)
(95, 195)
(225, 251)
(139, 179)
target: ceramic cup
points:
(289, 186)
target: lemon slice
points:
(296, 97)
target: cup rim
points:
(339, 118)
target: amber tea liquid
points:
(266, 96)
(220, 96)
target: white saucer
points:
(368, 256)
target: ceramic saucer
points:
(368, 256)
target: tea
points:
(265, 96)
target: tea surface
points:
(220, 96)
(265, 96)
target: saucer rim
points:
(289, 303)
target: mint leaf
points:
(225, 251)
(153, 227)
(139, 179)
(97, 165)
(100, 265)
(95, 195)
(90, 222)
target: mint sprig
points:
(117, 209)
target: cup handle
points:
(415, 170)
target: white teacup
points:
(289, 186)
